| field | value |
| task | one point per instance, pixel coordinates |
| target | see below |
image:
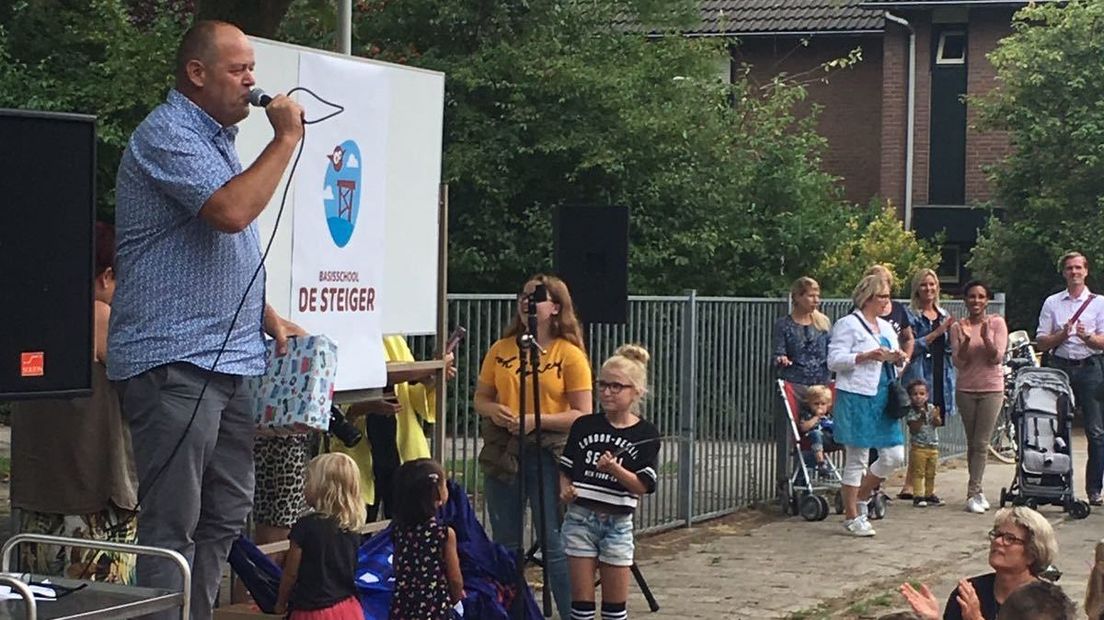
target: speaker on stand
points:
(592, 256)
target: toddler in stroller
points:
(815, 424)
(812, 473)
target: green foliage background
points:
(548, 103)
(1052, 186)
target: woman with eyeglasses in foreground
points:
(565, 395)
(1022, 547)
(608, 463)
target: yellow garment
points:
(564, 368)
(417, 401)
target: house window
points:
(952, 48)
(950, 265)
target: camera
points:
(343, 429)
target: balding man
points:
(189, 309)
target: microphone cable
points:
(122, 525)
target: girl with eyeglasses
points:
(1022, 550)
(608, 463)
(565, 395)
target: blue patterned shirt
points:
(179, 280)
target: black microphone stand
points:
(529, 352)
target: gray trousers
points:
(196, 502)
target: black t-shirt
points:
(327, 570)
(984, 585)
(898, 317)
(593, 435)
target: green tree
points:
(1052, 185)
(548, 104)
(875, 236)
(92, 58)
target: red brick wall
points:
(986, 28)
(851, 100)
(983, 149)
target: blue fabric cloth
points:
(860, 421)
(923, 362)
(257, 571)
(179, 281)
(490, 573)
(807, 348)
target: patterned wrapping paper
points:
(295, 393)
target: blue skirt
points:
(860, 421)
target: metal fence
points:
(713, 396)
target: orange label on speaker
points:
(32, 364)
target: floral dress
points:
(421, 588)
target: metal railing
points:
(713, 396)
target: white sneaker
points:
(858, 526)
(984, 502)
(974, 505)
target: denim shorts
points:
(590, 534)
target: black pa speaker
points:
(47, 214)
(592, 256)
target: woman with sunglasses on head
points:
(1022, 548)
(608, 463)
(565, 395)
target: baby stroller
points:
(805, 488)
(1042, 410)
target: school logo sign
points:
(341, 191)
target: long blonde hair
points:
(564, 324)
(332, 487)
(917, 280)
(631, 360)
(803, 285)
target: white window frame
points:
(939, 58)
(957, 277)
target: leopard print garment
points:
(281, 465)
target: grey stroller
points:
(1042, 410)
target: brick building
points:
(866, 109)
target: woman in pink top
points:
(978, 343)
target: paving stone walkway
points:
(755, 566)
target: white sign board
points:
(355, 251)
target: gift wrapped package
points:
(296, 391)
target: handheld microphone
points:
(259, 98)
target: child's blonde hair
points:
(333, 486)
(818, 394)
(631, 360)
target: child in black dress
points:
(319, 580)
(428, 583)
(608, 463)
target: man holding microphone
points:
(188, 247)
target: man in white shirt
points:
(1071, 328)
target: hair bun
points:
(635, 353)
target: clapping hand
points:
(968, 601)
(1082, 332)
(923, 602)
